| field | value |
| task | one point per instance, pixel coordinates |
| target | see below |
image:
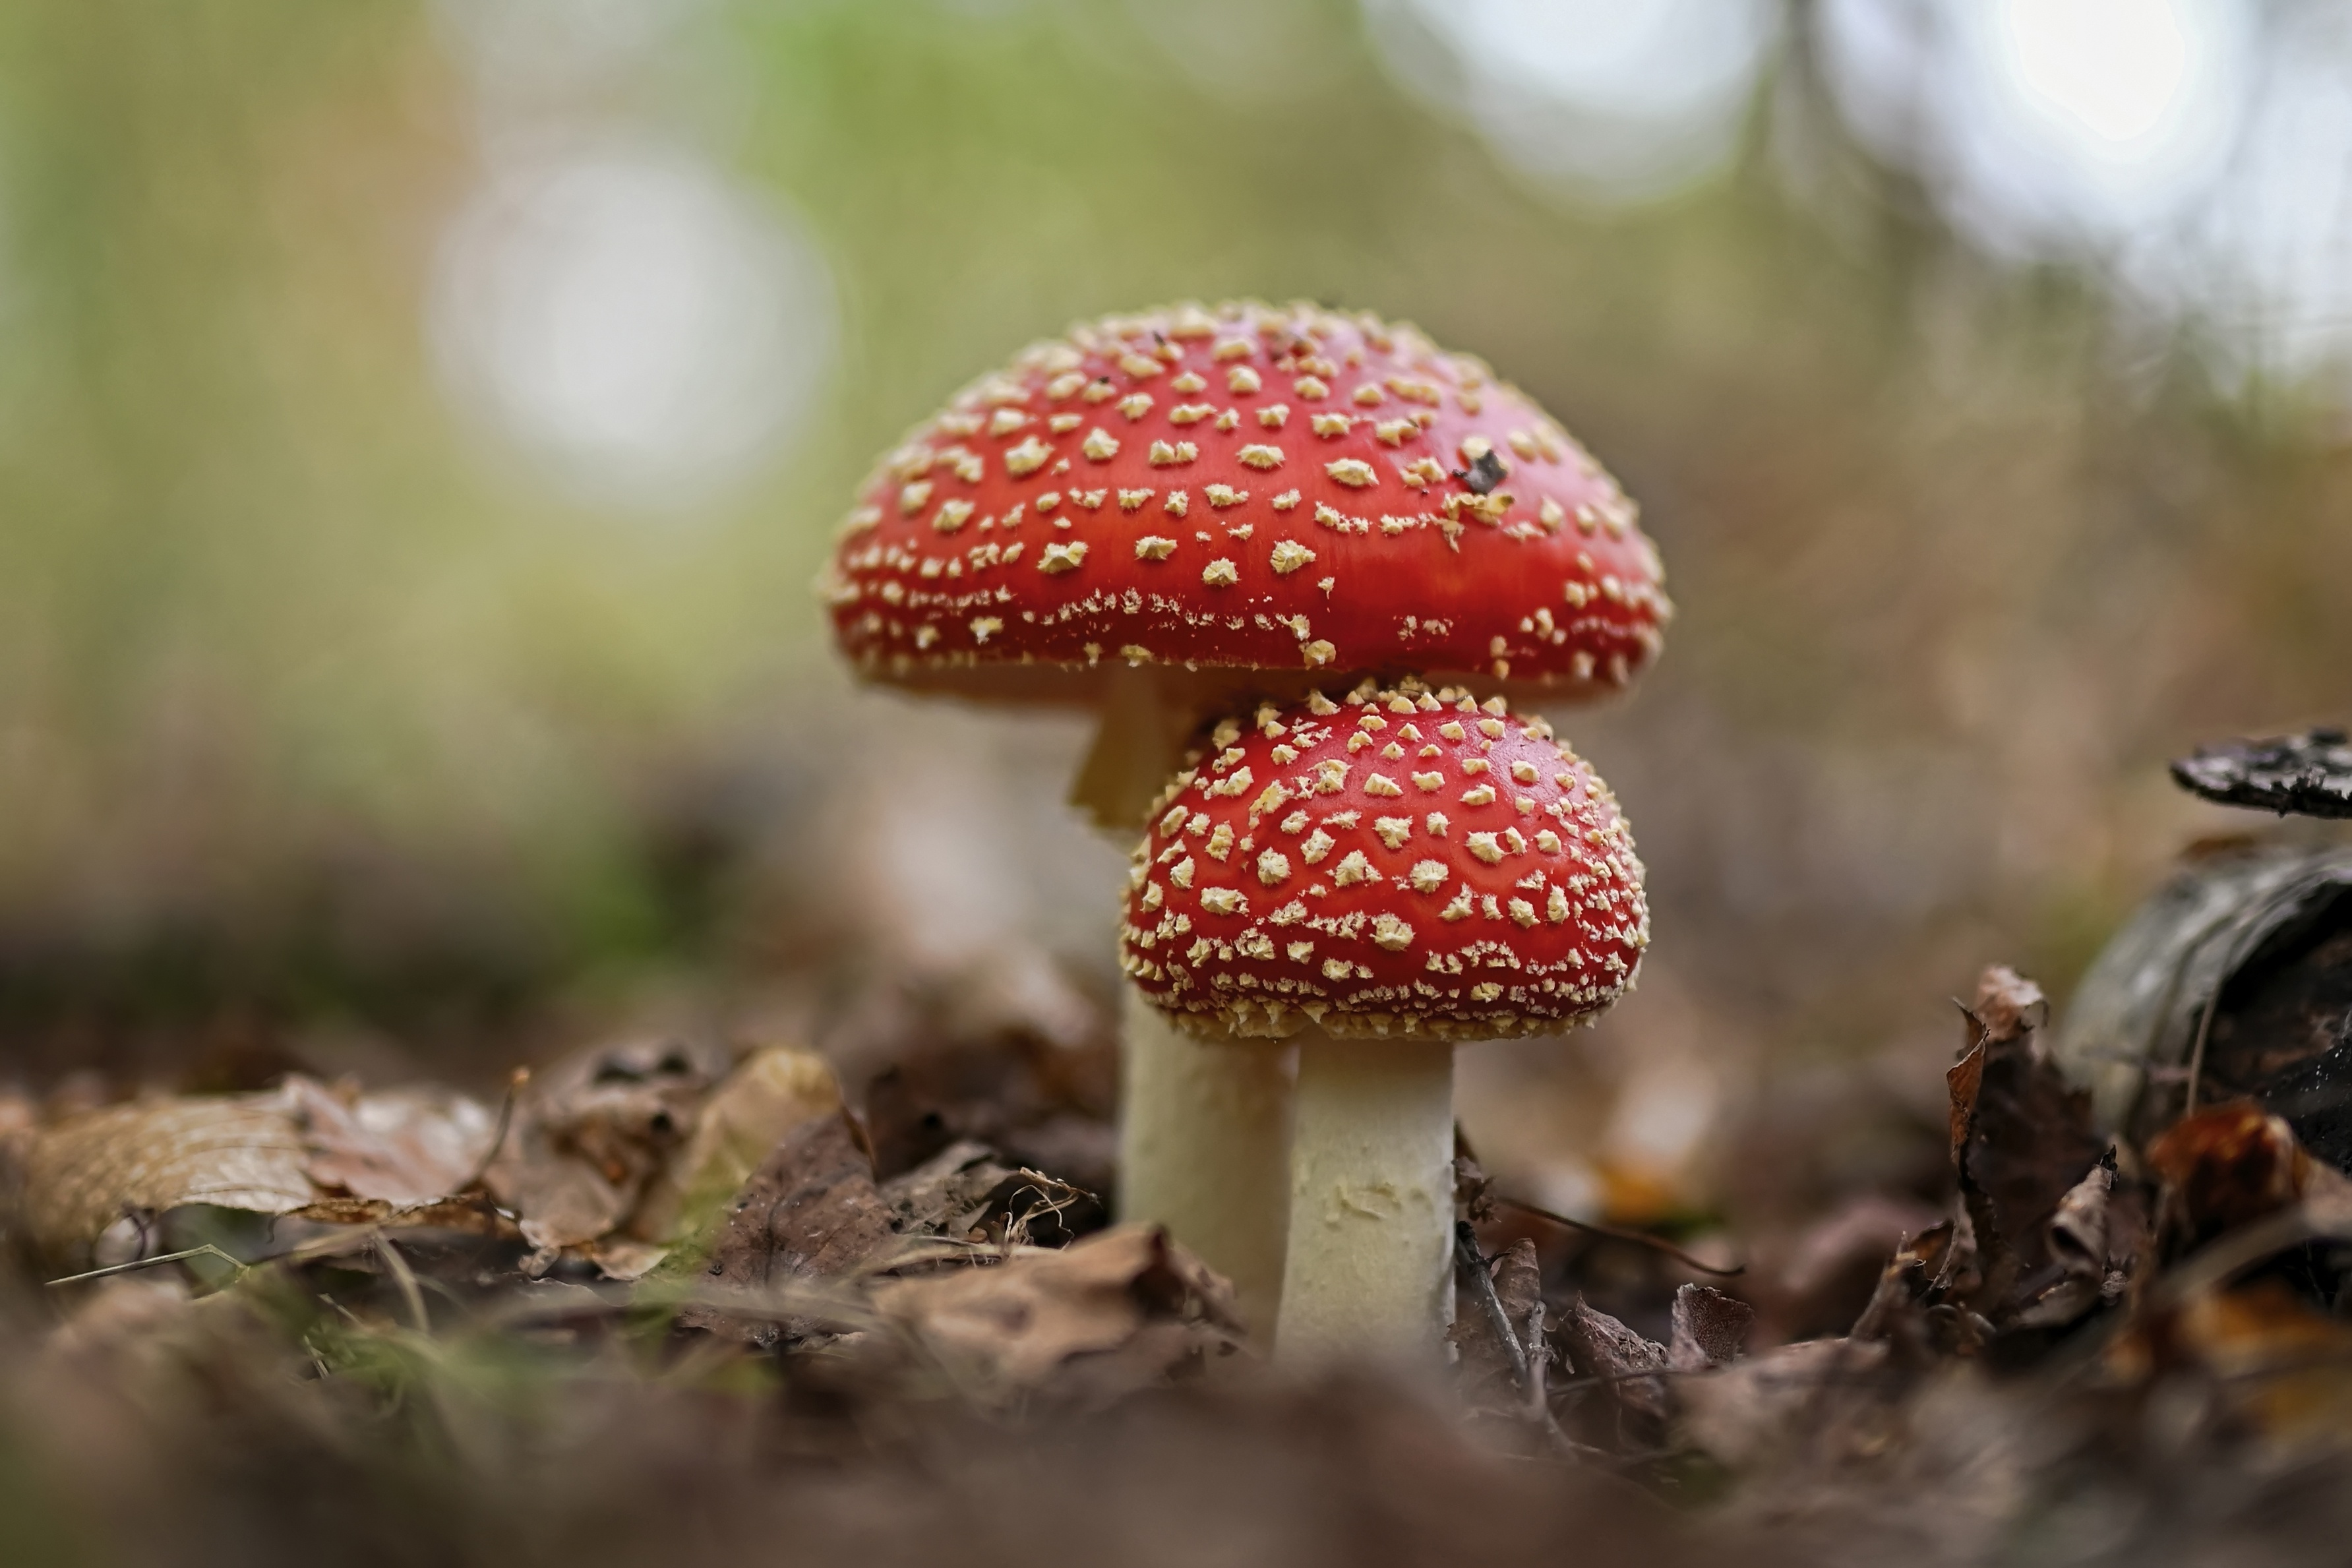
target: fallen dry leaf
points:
(1036, 1318)
(771, 1092)
(947, 1195)
(236, 1152)
(2008, 1004)
(1925, 1268)
(2078, 1231)
(1710, 1329)
(589, 1135)
(2226, 1167)
(1599, 1346)
(472, 1215)
(301, 1146)
(1040, 1088)
(1757, 1411)
(2286, 1367)
(402, 1146)
(2022, 1140)
(2281, 1367)
(965, 1194)
(810, 1209)
(1815, 1283)
(1519, 1286)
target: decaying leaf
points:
(1030, 1076)
(1599, 1346)
(1933, 1266)
(1473, 1189)
(471, 1216)
(771, 1092)
(2078, 1231)
(401, 1146)
(2286, 1367)
(300, 1147)
(1710, 1329)
(1818, 1281)
(965, 1194)
(810, 1210)
(1519, 1286)
(2023, 1140)
(2009, 1005)
(1119, 1309)
(946, 1195)
(2279, 1366)
(2041, 1233)
(2076, 1246)
(591, 1134)
(2227, 1167)
(235, 1152)
(1749, 1413)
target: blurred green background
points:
(419, 424)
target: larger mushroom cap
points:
(1250, 489)
(1404, 862)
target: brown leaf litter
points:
(811, 1209)
(590, 1137)
(1121, 1310)
(2086, 1313)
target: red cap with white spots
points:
(1402, 862)
(1291, 491)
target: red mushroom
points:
(1378, 878)
(1260, 497)
(1176, 513)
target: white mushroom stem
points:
(1204, 1141)
(1203, 1130)
(1146, 720)
(1367, 1273)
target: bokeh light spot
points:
(633, 318)
(2117, 70)
(2046, 127)
(1617, 100)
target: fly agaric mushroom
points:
(1377, 880)
(1244, 503)
(1170, 514)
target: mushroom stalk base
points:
(1205, 1135)
(1368, 1272)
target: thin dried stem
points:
(1617, 1233)
(1469, 1260)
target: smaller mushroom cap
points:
(1401, 862)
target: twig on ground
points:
(515, 1082)
(1538, 1382)
(1618, 1233)
(1468, 1259)
(405, 1279)
(242, 1267)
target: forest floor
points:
(665, 1301)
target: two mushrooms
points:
(1367, 546)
